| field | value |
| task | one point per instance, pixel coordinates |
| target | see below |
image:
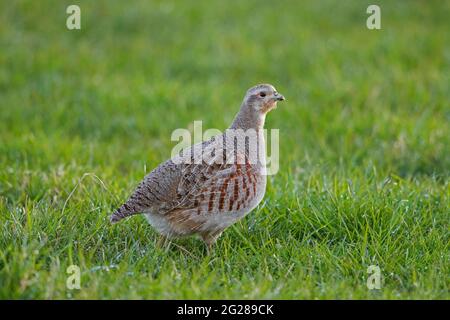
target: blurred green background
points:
(364, 151)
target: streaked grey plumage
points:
(201, 191)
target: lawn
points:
(364, 146)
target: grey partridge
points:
(210, 185)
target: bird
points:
(209, 186)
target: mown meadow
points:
(364, 146)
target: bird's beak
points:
(278, 97)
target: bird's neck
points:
(248, 119)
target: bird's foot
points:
(210, 239)
(163, 242)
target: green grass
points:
(365, 144)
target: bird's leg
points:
(209, 247)
(162, 242)
(209, 238)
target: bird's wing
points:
(213, 183)
(193, 180)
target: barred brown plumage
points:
(201, 191)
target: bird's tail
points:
(121, 213)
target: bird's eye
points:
(262, 94)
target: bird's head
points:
(262, 98)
